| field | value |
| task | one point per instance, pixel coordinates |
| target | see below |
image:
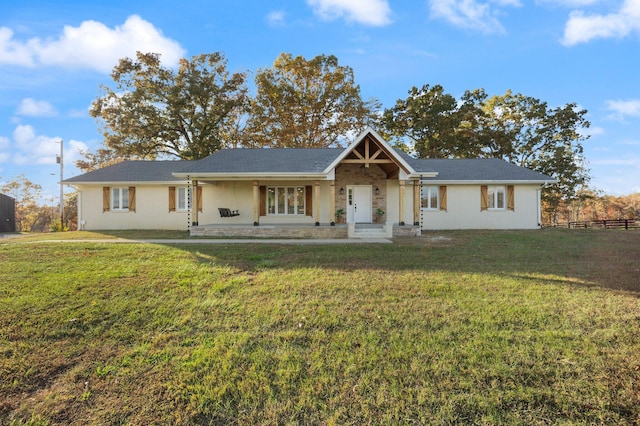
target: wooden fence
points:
(606, 224)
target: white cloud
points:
(622, 109)
(275, 18)
(92, 45)
(29, 148)
(33, 108)
(593, 131)
(568, 3)
(4, 144)
(582, 28)
(471, 14)
(368, 12)
(13, 52)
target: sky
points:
(54, 55)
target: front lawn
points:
(475, 327)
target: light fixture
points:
(377, 191)
(341, 191)
(362, 169)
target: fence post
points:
(626, 224)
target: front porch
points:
(305, 231)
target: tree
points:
(155, 111)
(306, 103)
(429, 117)
(26, 193)
(520, 129)
(101, 158)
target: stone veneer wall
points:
(322, 232)
(406, 231)
(351, 174)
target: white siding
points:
(463, 210)
(152, 210)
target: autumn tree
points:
(155, 111)
(517, 128)
(429, 118)
(102, 157)
(29, 214)
(306, 103)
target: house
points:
(269, 191)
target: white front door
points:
(359, 204)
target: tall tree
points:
(518, 128)
(27, 195)
(153, 111)
(525, 131)
(429, 117)
(306, 103)
(102, 157)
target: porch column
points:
(402, 191)
(256, 203)
(194, 204)
(316, 202)
(332, 202)
(416, 202)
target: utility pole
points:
(60, 160)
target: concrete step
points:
(369, 231)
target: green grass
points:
(471, 327)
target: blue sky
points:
(55, 54)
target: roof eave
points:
(488, 181)
(253, 176)
(127, 182)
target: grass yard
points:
(533, 327)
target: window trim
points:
(273, 193)
(508, 199)
(120, 198)
(494, 200)
(430, 189)
(186, 199)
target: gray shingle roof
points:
(300, 161)
(477, 169)
(134, 171)
(266, 160)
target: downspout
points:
(539, 191)
(81, 221)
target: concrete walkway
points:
(225, 241)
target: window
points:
(496, 197)
(430, 197)
(119, 199)
(288, 200)
(181, 201)
(434, 197)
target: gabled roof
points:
(316, 163)
(133, 171)
(399, 160)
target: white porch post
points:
(402, 195)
